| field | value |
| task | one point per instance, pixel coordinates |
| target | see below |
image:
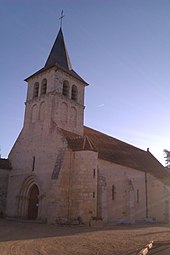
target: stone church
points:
(60, 170)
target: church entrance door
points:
(33, 203)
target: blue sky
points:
(120, 47)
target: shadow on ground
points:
(16, 230)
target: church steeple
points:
(59, 55)
(56, 92)
(59, 58)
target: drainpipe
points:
(146, 194)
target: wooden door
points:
(33, 203)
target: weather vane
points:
(61, 18)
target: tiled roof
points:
(119, 152)
(5, 164)
(116, 151)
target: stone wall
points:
(73, 194)
(54, 106)
(132, 201)
(33, 157)
(4, 173)
(83, 182)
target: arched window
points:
(74, 93)
(66, 88)
(36, 89)
(113, 192)
(44, 87)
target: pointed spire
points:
(58, 55)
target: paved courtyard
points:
(18, 238)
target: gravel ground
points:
(18, 238)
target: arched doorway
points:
(33, 202)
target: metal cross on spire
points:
(61, 18)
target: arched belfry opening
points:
(28, 199)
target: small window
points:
(94, 173)
(66, 88)
(113, 192)
(74, 93)
(33, 163)
(44, 87)
(36, 89)
(94, 194)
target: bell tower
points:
(55, 102)
(56, 92)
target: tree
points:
(167, 157)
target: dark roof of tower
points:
(117, 151)
(59, 57)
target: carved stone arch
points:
(34, 113)
(42, 111)
(28, 196)
(73, 117)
